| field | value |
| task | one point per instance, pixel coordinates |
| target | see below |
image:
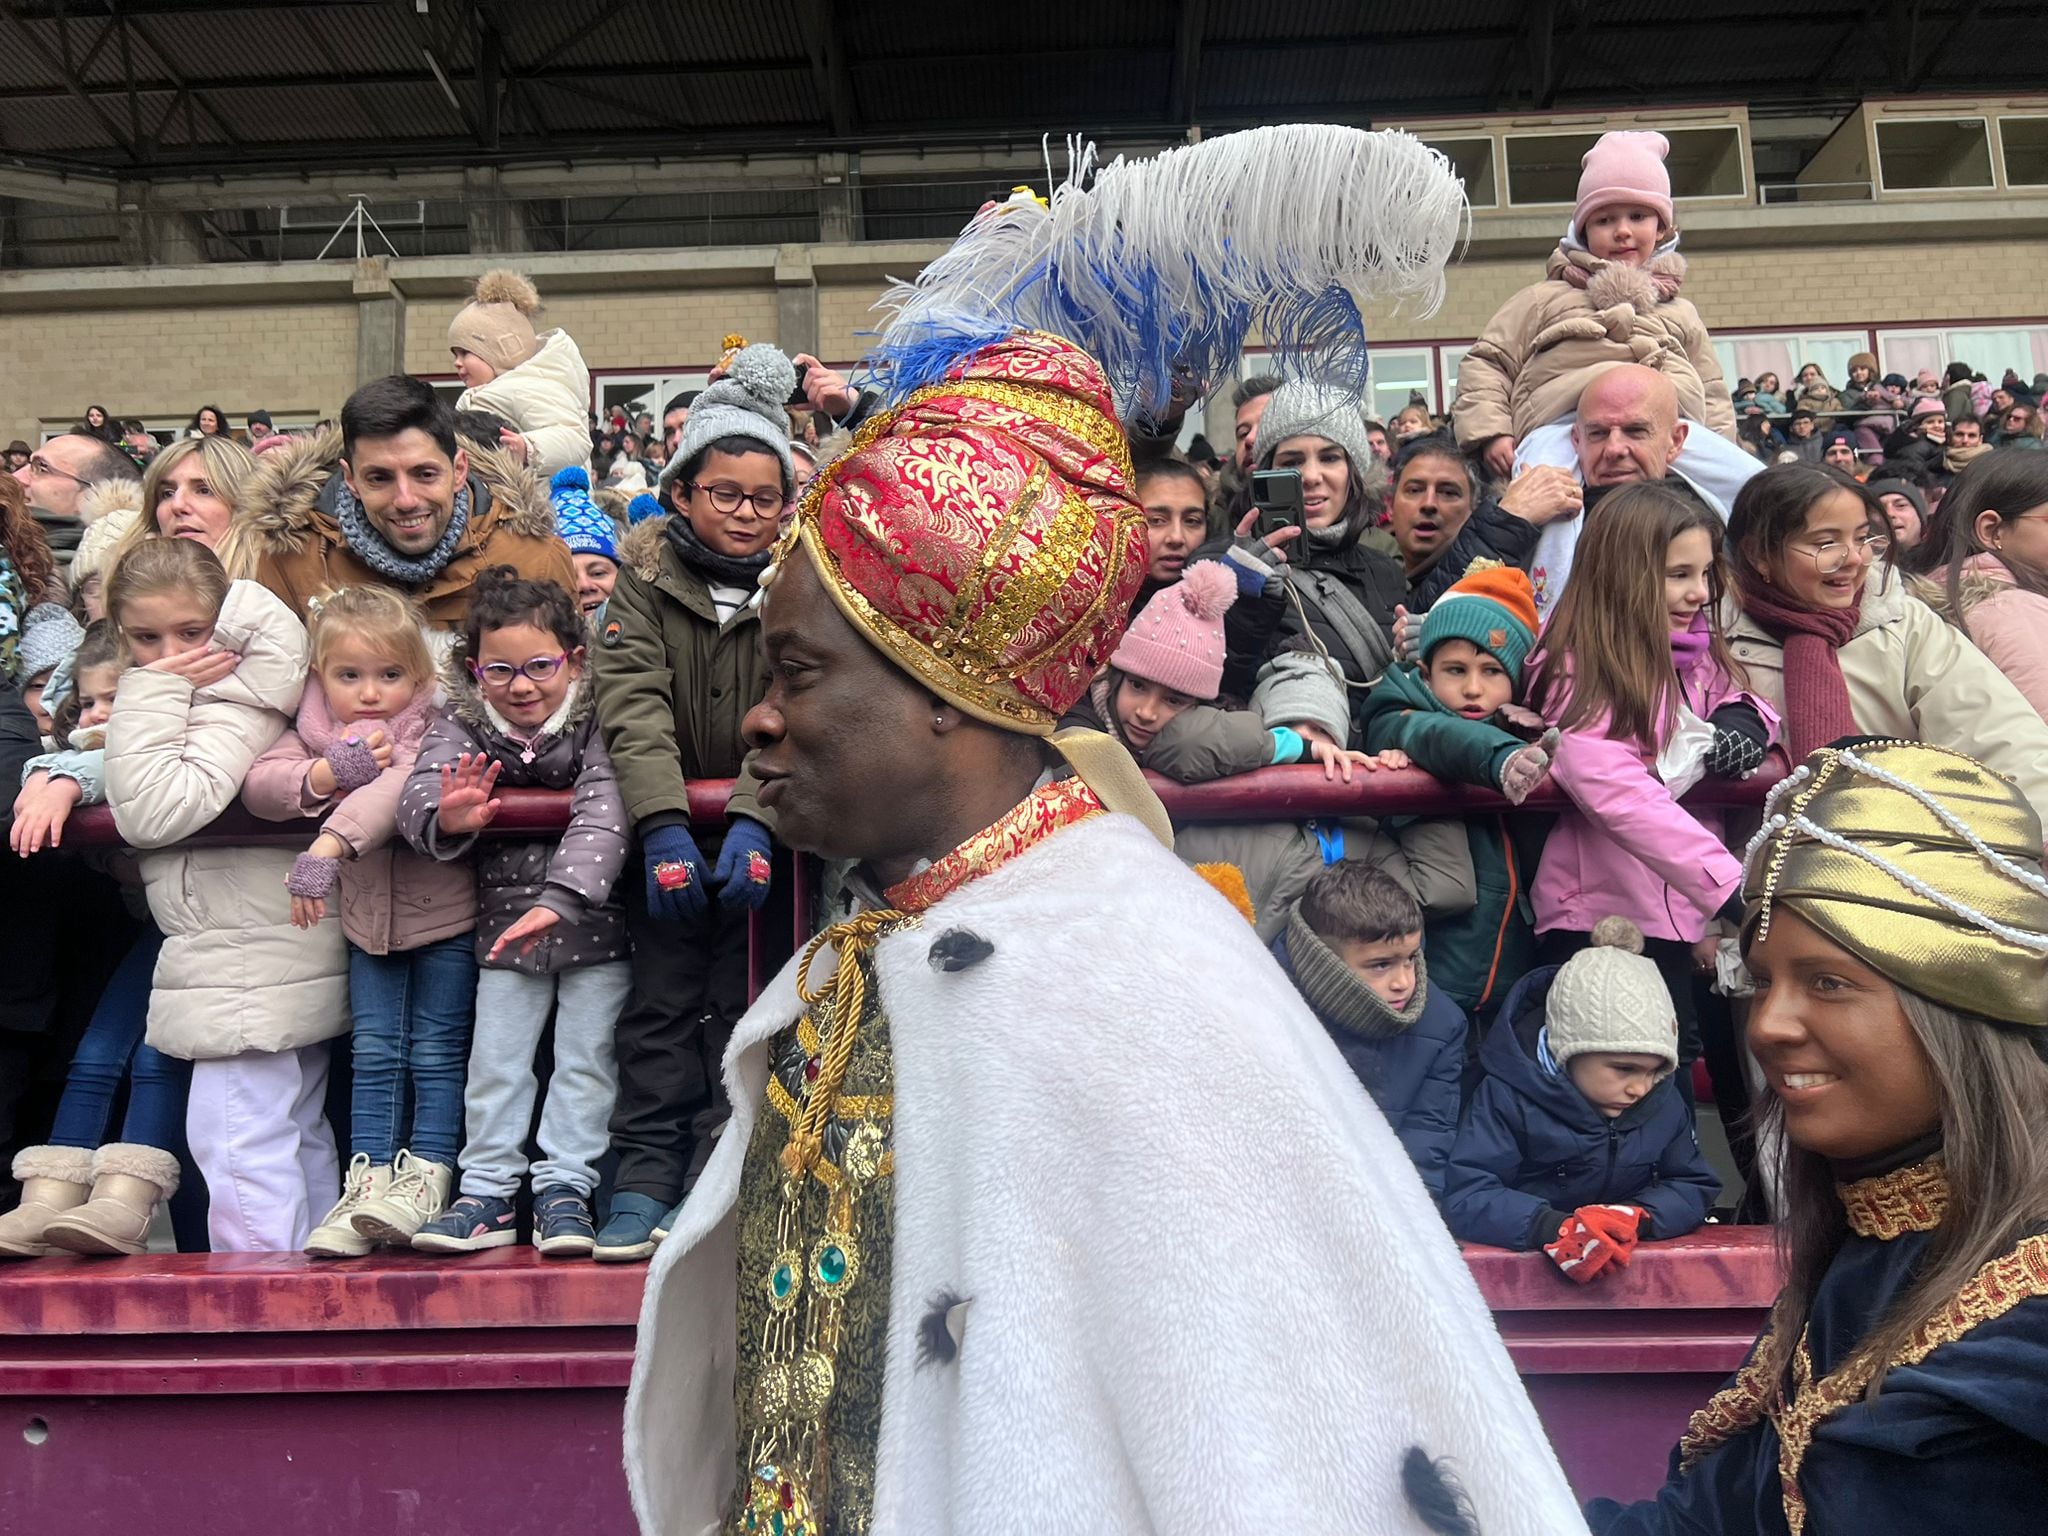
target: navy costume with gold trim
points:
(1957, 1440)
(1927, 867)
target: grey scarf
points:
(728, 570)
(369, 547)
(1337, 993)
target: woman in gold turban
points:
(1898, 936)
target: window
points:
(1472, 159)
(2022, 348)
(1926, 154)
(2024, 141)
(1453, 358)
(1397, 373)
(1704, 162)
(1786, 352)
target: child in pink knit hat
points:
(1609, 295)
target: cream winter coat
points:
(1912, 675)
(547, 398)
(1206, 1290)
(234, 975)
(1550, 341)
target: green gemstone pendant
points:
(785, 1280)
(835, 1261)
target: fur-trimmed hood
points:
(284, 504)
(108, 497)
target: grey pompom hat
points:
(750, 401)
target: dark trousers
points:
(689, 989)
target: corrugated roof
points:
(297, 85)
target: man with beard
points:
(394, 498)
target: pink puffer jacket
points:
(1630, 849)
(392, 899)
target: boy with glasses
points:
(678, 665)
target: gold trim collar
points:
(1909, 1199)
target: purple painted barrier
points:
(252, 1395)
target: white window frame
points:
(1877, 128)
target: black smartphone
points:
(1277, 495)
(797, 397)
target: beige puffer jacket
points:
(547, 398)
(1550, 341)
(234, 975)
(1913, 676)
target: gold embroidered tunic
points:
(815, 1213)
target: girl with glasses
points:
(1830, 636)
(550, 928)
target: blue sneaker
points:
(472, 1223)
(562, 1227)
(628, 1233)
(667, 1224)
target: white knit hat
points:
(1300, 408)
(1612, 998)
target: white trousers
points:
(1708, 462)
(257, 1124)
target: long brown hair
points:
(2007, 483)
(1992, 1082)
(1607, 649)
(26, 547)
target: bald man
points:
(58, 474)
(1627, 431)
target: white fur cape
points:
(1207, 1292)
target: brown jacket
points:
(673, 685)
(1550, 341)
(285, 512)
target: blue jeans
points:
(113, 1045)
(413, 1014)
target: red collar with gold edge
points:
(1048, 809)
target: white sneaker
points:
(418, 1193)
(334, 1238)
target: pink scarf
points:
(317, 727)
(1816, 694)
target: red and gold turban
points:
(984, 537)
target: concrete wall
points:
(296, 338)
(166, 362)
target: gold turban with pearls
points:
(1923, 863)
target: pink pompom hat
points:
(1624, 167)
(1177, 641)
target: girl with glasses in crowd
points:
(407, 918)
(550, 929)
(1829, 635)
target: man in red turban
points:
(1046, 1203)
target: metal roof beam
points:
(820, 24)
(1184, 92)
(224, 85)
(1932, 61)
(71, 85)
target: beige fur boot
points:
(128, 1179)
(53, 1181)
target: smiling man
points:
(1045, 1200)
(393, 498)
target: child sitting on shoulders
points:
(407, 918)
(1353, 949)
(1610, 294)
(1577, 1141)
(1449, 713)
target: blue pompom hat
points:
(584, 526)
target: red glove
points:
(1592, 1238)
